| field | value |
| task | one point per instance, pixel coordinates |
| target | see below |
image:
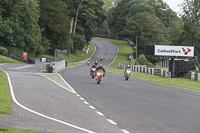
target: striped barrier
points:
(195, 76)
(145, 69)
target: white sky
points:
(173, 4)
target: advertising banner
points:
(163, 50)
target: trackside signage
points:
(163, 50)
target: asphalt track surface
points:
(48, 99)
(136, 105)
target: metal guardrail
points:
(195, 76)
(145, 69)
(20, 58)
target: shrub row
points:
(3, 50)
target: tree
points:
(191, 17)
(20, 18)
(86, 16)
(147, 28)
(55, 24)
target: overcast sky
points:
(173, 4)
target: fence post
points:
(198, 77)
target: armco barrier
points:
(195, 76)
(20, 58)
(144, 69)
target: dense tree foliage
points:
(154, 23)
(55, 24)
(86, 16)
(191, 17)
(39, 26)
(19, 24)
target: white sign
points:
(163, 50)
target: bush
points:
(3, 50)
(142, 60)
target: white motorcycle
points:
(127, 74)
(93, 72)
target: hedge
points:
(3, 50)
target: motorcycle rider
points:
(127, 67)
(96, 62)
(101, 68)
(88, 62)
(93, 66)
(101, 58)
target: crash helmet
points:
(128, 66)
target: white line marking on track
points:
(37, 113)
(99, 113)
(82, 98)
(57, 84)
(125, 131)
(111, 121)
(86, 102)
(67, 83)
(92, 107)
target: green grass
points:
(55, 77)
(4, 59)
(125, 49)
(79, 55)
(71, 64)
(5, 99)
(44, 56)
(6, 130)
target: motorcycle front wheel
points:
(98, 81)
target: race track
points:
(136, 105)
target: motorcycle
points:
(101, 58)
(93, 72)
(99, 76)
(127, 74)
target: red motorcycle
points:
(99, 76)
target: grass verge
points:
(125, 49)
(44, 56)
(79, 55)
(56, 78)
(4, 59)
(6, 130)
(5, 99)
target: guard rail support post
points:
(198, 77)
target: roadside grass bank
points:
(79, 55)
(125, 50)
(4, 59)
(5, 98)
(6, 130)
(56, 78)
(44, 56)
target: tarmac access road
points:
(41, 105)
(136, 105)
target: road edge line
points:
(37, 113)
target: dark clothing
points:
(101, 68)
(93, 66)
